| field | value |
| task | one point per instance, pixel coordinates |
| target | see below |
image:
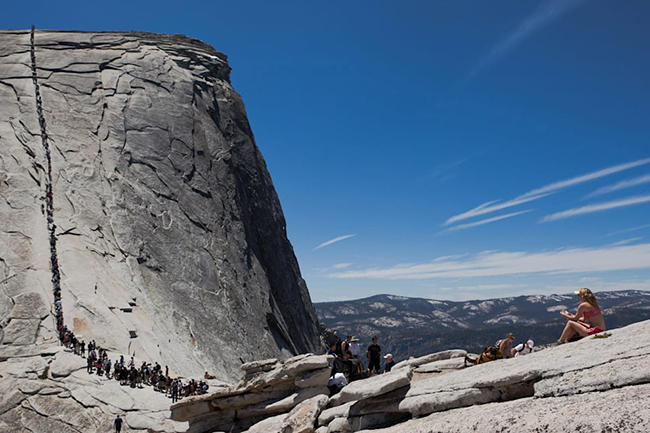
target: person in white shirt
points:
(338, 380)
(524, 348)
(355, 348)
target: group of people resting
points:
(348, 363)
(588, 320)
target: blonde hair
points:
(589, 297)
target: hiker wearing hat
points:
(524, 348)
(389, 362)
(355, 348)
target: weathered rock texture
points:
(170, 237)
(596, 384)
(45, 388)
(272, 396)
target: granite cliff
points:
(129, 175)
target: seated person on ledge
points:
(505, 346)
(587, 321)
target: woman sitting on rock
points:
(587, 321)
(505, 346)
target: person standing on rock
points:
(345, 347)
(118, 424)
(355, 348)
(374, 357)
(588, 320)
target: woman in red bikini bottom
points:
(587, 321)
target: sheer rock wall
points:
(171, 240)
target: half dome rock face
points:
(169, 238)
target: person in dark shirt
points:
(374, 356)
(118, 424)
(389, 363)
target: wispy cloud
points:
(485, 221)
(599, 207)
(341, 265)
(544, 191)
(633, 229)
(621, 185)
(575, 260)
(332, 241)
(544, 15)
(445, 171)
(626, 241)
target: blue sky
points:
(449, 150)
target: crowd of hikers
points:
(588, 320)
(348, 362)
(128, 373)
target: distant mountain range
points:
(415, 326)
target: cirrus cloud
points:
(496, 263)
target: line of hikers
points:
(128, 374)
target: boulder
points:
(314, 378)
(139, 421)
(302, 418)
(287, 371)
(328, 415)
(339, 425)
(283, 405)
(33, 367)
(65, 363)
(373, 386)
(66, 410)
(445, 364)
(21, 332)
(268, 425)
(427, 359)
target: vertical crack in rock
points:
(49, 198)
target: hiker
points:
(588, 320)
(107, 368)
(505, 345)
(374, 357)
(330, 351)
(118, 424)
(524, 348)
(337, 382)
(345, 347)
(492, 353)
(355, 348)
(389, 363)
(175, 391)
